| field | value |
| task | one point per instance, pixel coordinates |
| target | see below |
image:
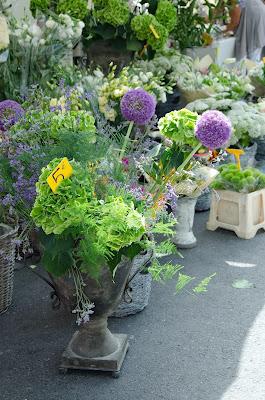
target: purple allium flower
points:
(138, 106)
(10, 113)
(213, 129)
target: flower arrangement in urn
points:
(95, 215)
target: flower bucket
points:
(102, 53)
(185, 209)
(7, 262)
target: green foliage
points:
(163, 272)
(183, 280)
(179, 126)
(57, 258)
(77, 8)
(164, 228)
(74, 121)
(42, 5)
(165, 248)
(190, 26)
(55, 212)
(243, 181)
(202, 286)
(113, 12)
(166, 14)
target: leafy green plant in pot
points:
(239, 201)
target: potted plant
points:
(239, 201)
(188, 134)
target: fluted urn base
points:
(109, 362)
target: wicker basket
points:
(7, 261)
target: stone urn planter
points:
(243, 213)
(7, 262)
(185, 209)
(93, 346)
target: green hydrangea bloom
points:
(113, 12)
(141, 25)
(179, 126)
(166, 14)
(77, 8)
(56, 212)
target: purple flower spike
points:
(213, 129)
(138, 106)
(10, 113)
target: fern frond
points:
(202, 286)
(183, 280)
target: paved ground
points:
(183, 347)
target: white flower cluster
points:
(44, 32)
(247, 119)
(4, 34)
(137, 8)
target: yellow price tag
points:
(63, 171)
(236, 153)
(154, 32)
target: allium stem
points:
(126, 139)
(187, 160)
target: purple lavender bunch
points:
(213, 129)
(10, 113)
(138, 106)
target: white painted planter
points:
(219, 50)
(185, 210)
(243, 213)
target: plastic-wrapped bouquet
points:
(36, 48)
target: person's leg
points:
(255, 55)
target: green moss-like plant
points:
(77, 8)
(242, 181)
(179, 126)
(166, 14)
(112, 12)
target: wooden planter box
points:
(243, 213)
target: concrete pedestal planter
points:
(93, 346)
(243, 213)
(139, 285)
(185, 210)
